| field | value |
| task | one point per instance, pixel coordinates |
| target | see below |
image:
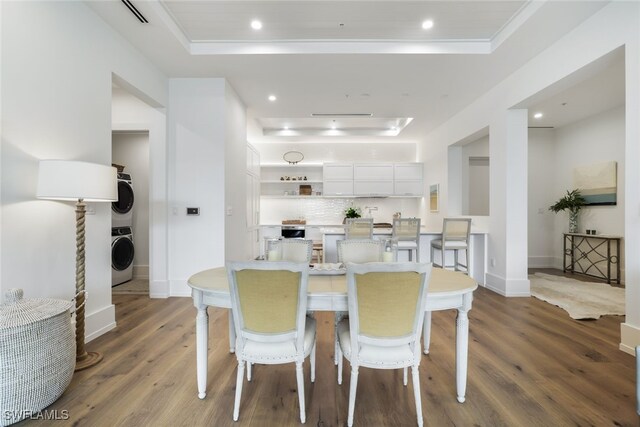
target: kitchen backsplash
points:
(331, 211)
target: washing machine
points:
(122, 210)
(122, 252)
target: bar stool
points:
(359, 228)
(406, 235)
(318, 252)
(455, 237)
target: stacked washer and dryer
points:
(122, 248)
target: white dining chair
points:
(360, 250)
(406, 236)
(386, 305)
(297, 250)
(455, 237)
(269, 304)
(356, 251)
(358, 228)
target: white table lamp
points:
(78, 181)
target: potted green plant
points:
(573, 202)
(351, 212)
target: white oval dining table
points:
(447, 290)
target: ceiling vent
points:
(341, 114)
(135, 11)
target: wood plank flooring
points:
(529, 365)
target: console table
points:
(593, 255)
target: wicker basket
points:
(37, 354)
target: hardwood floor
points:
(529, 365)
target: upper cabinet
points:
(373, 179)
(408, 179)
(338, 179)
(344, 179)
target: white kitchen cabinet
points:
(408, 171)
(408, 188)
(337, 172)
(373, 188)
(338, 188)
(373, 179)
(373, 172)
(408, 179)
(337, 179)
(253, 160)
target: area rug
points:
(582, 300)
(132, 287)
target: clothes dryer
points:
(122, 210)
(122, 253)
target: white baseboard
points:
(159, 289)
(179, 288)
(508, 288)
(541, 262)
(140, 271)
(629, 337)
(99, 322)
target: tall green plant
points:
(572, 201)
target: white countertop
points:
(339, 229)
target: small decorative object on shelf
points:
(573, 202)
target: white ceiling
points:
(341, 20)
(596, 88)
(313, 66)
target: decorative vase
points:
(573, 221)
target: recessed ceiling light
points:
(286, 128)
(272, 98)
(537, 116)
(256, 25)
(427, 24)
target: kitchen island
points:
(329, 234)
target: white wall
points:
(592, 140)
(56, 104)
(235, 163)
(196, 139)
(475, 183)
(327, 151)
(131, 149)
(614, 25)
(542, 187)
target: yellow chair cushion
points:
(387, 303)
(268, 299)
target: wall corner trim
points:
(100, 322)
(629, 338)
